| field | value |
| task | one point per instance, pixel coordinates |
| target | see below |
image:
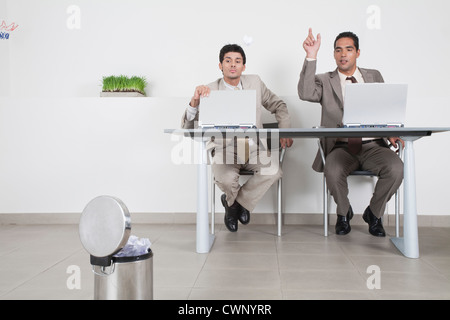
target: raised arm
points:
(312, 45)
(309, 86)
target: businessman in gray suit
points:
(372, 154)
(239, 200)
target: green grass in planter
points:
(124, 84)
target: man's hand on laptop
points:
(200, 92)
(286, 142)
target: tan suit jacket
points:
(264, 99)
(326, 89)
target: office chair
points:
(327, 195)
(243, 172)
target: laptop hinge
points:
(352, 125)
(246, 126)
(395, 125)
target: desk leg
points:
(409, 244)
(204, 238)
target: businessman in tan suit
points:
(373, 154)
(239, 200)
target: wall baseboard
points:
(190, 218)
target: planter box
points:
(121, 94)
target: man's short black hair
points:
(348, 34)
(232, 48)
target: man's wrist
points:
(191, 112)
(193, 104)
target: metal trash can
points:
(105, 227)
(128, 278)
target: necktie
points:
(354, 144)
(243, 146)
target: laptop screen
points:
(228, 109)
(373, 105)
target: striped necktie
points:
(354, 144)
(243, 146)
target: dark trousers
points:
(375, 157)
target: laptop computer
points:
(375, 105)
(228, 109)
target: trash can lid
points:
(105, 226)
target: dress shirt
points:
(344, 81)
(250, 141)
(343, 78)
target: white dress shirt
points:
(344, 81)
(359, 78)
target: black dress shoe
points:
(244, 215)
(375, 224)
(231, 215)
(343, 223)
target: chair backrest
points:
(270, 125)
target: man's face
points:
(345, 55)
(232, 65)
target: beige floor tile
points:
(235, 294)
(37, 262)
(238, 279)
(247, 261)
(425, 284)
(441, 264)
(327, 295)
(325, 247)
(168, 260)
(335, 263)
(322, 280)
(394, 263)
(171, 293)
(262, 247)
(175, 277)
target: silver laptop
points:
(228, 109)
(375, 105)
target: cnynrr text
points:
(227, 309)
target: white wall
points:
(54, 61)
(4, 56)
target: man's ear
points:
(220, 67)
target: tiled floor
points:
(38, 262)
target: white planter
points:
(121, 94)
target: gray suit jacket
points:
(264, 99)
(326, 89)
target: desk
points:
(408, 245)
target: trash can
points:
(105, 227)
(127, 278)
